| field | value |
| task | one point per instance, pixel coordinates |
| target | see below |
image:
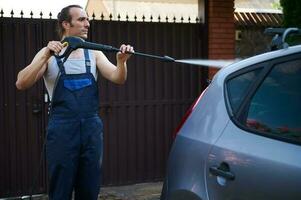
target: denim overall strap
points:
(87, 61)
(61, 65)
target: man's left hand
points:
(122, 56)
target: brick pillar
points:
(221, 31)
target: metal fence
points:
(139, 117)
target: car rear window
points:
(275, 108)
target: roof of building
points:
(259, 19)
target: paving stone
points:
(142, 191)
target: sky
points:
(36, 6)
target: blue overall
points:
(74, 136)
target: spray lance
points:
(74, 43)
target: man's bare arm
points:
(116, 74)
(35, 70)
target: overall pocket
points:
(76, 84)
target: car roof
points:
(225, 71)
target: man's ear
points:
(66, 25)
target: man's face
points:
(79, 24)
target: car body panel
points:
(197, 135)
(264, 168)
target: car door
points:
(258, 154)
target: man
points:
(74, 134)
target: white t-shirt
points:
(72, 66)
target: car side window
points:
(275, 108)
(238, 87)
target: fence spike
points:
(1, 13)
(151, 18)
(166, 18)
(127, 17)
(197, 19)
(143, 18)
(118, 17)
(174, 19)
(12, 13)
(41, 14)
(110, 16)
(21, 13)
(189, 19)
(182, 19)
(159, 18)
(93, 15)
(102, 16)
(31, 14)
(135, 17)
(50, 15)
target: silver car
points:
(242, 137)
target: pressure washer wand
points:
(74, 43)
(102, 47)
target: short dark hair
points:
(64, 15)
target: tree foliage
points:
(291, 13)
(292, 18)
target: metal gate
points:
(139, 117)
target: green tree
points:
(292, 18)
(291, 13)
(276, 5)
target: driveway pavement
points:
(142, 191)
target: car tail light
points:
(187, 114)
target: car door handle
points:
(219, 171)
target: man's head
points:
(73, 21)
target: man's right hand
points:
(35, 70)
(55, 47)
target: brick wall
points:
(221, 31)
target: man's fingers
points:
(123, 48)
(131, 49)
(56, 46)
(126, 48)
